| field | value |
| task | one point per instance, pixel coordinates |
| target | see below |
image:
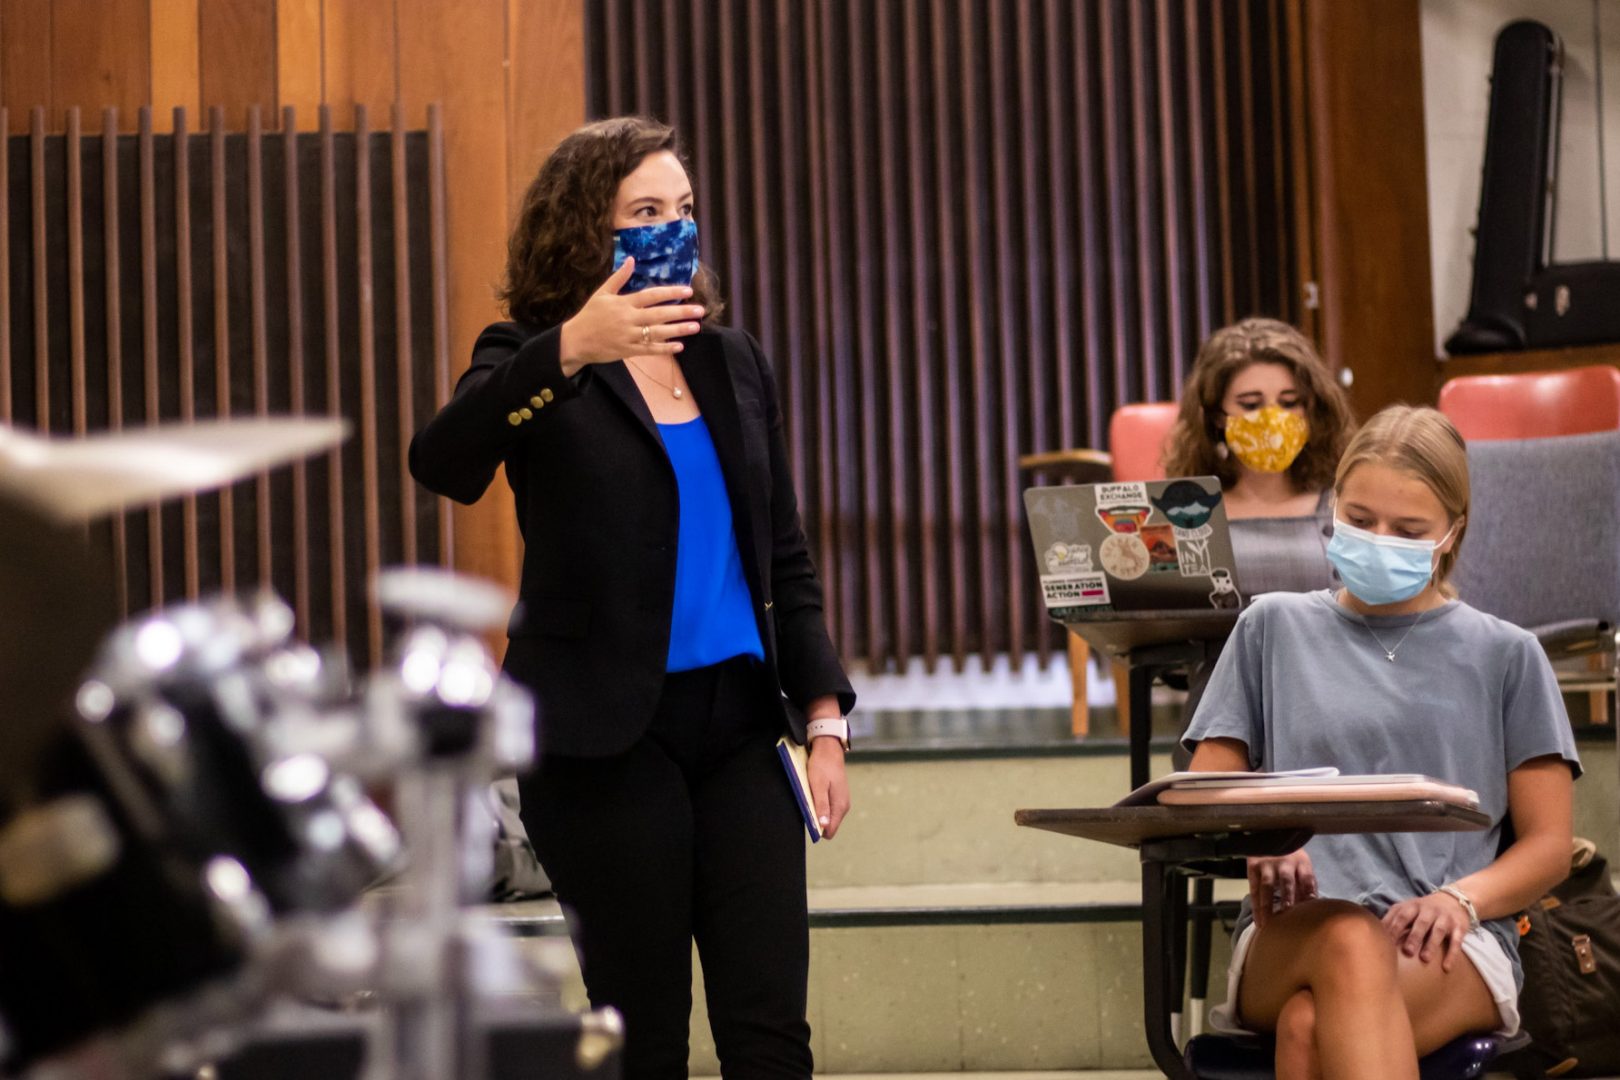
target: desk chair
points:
(1537, 405)
(1224, 1057)
(1137, 435)
(1533, 405)
(1549, 559)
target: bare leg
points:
(1296, 1056)
(1445, 1004)
(1344, 957)
(1296, 1039)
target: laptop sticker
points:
(1187, 506)
(1225, 594)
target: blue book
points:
(796, 763)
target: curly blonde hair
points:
(561, 248)
(1196, 434)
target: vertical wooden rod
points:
(820, 322)
(115, 323)
(900, 495)
(367, 316)
(334, 384)
(222, 333)
(42, 277)
(1197, 158)
(925, 356)
(404, 350)
(946, 197)
(1171, 186)
(979, 342)
(438, 240)
(149, 333)
(257, 317)
(75, 216)
(5, 266)
(1003, 522)
(873, 598)
(295, 361)
(1223, 161)
(1251, 196)
(185, 328)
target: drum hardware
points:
(184, 836)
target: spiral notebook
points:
(796, 763)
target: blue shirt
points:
(713, 619)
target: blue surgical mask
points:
(1378, 569)
(665, 254)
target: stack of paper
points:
(1298, 785)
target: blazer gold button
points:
(514, 419)
(537, 401)
(545, 394)
(526, 414)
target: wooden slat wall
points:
(220, 332)
(965, 230)
(495, 83)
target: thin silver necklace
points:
(1389, 653)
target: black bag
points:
(1569, 943)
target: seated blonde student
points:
(1365, 952)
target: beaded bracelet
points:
(1468, 905)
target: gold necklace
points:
(671, 387)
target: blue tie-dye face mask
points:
(665, 254)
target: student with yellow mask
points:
(1261, 411)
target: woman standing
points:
(670, 620)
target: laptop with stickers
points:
(1156, 545)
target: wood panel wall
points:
(509, 75)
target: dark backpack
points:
(1569, 943)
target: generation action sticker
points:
(1074, 590)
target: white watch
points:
(838, 728)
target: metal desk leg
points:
(1158, 966)
(1203, 925)
(1141, 723)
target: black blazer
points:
(597, 507)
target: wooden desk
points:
(1178, 841)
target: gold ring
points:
(646, 336)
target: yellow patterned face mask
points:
(1267, 440)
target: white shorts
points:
(1481, 947)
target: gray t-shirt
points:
(1303, 681)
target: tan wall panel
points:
(25, 58)
(239, 58)
(300, 59)
(360, 52)
(451, 54)
(1372, 220)
(176, 51)
(546, 82)
(99, 57)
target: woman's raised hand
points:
(613, 325)
(1281, 883)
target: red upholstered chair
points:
(1137, 437)
(1538, 405)
(1533, 405)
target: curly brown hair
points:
(561, 247)
(1193, 440)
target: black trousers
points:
(693, 834)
